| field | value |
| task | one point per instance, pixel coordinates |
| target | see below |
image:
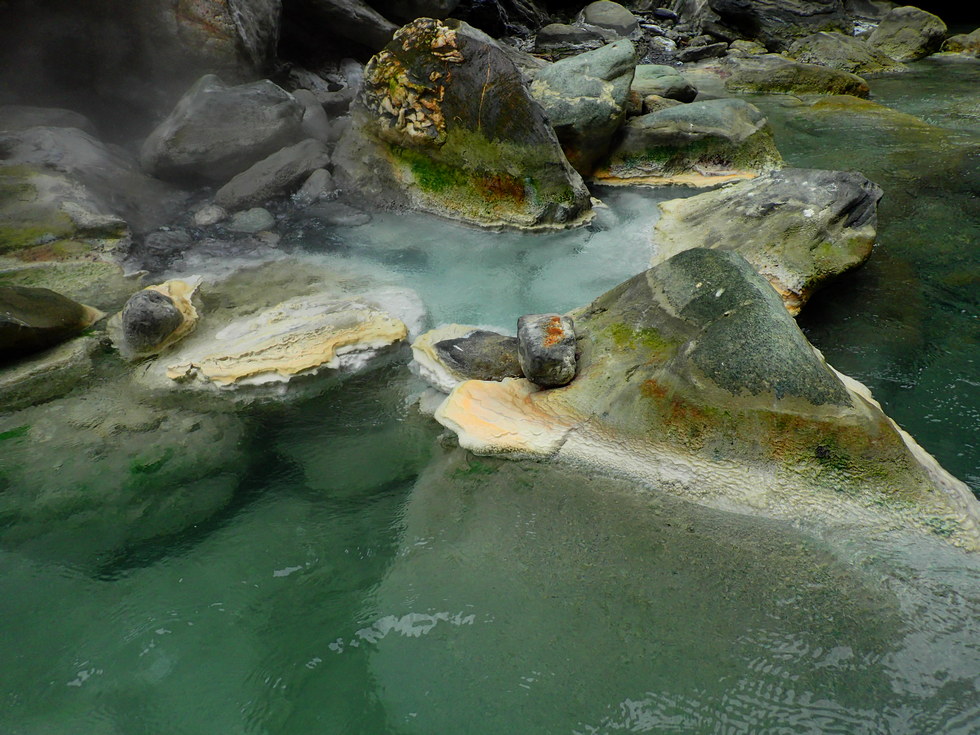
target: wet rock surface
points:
(908, 33)
(278, 175)
(797, 227)
(32, 319)
(663, 81)
(546, 349)
(447, 355)
(445, 125)
(777, 74)
(843, 52)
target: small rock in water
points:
(546, 349)
(251, 220)
(317, 186)
(210, 214)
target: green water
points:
(341, 569)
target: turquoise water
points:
(345, 570)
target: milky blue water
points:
(347, 571)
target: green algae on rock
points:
(693, 376)
(445, 125)
(777, 74)
(699, 144)
(797, 227)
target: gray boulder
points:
(316, 124)
(585, 98)
(800, 228)
(699, 143)
(611, 17)
(694, 378)
(546, 349)
(445, 125)
(963, 43)
(252, 220)
(318, 185)
(777, 74)
(216, 131)
(704, 51)
(563, 34)
(663, 81)
(776, 23)
(846, 53)
(148, 319)
(278, 175)
(353, 20)
(908, 33)
(33, 319)
(449, 354)
(408, 10)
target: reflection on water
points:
(365, 579)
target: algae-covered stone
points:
(701, 144)
(963, 43)
(447, 355)
(585, 98)
(694, 377)
(101, 284)
(797, 227)
(48, 374)
(103, 468)
(663, 81)
(908, 33)
(776, 74)
(846, 53)
(445, 125)
(32, 319)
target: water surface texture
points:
(363, 576)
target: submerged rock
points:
(700, 144)
(448, 355)
(546, 349)
(797, 227)
(585, 98)
(908, 33)
(846, 53)
(445, 125)
(776, 74)
(693, 376)
(46, 375)
(217, 131)
(33, 319)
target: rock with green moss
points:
(963, 43)
(797, 227)
(694, 378)
(95, 282)
(700, 144)
(48, 374)
(585, 98)
(33, 319)
(445, 125)
(776, 23)
(103, 468)
(777, 74)
(908, 33)
(846, 53)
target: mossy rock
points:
(775, 74)
(445, 125)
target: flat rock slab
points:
(797, 227)
(777, 74)
(298, 337)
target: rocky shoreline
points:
(692, 375)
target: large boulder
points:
(32, 319)
(842, 52)
(63, 193)
(216, 131)
(701, 144)
(546, 349)
(445, 125)
(663, 81)
(908, 33)
(585, 98)
(775, 23)
(693, 377)
(352, 20)
(797, 227)
(776, 74)
(963, 43)
(278, 175)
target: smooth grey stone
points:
(148, 318)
